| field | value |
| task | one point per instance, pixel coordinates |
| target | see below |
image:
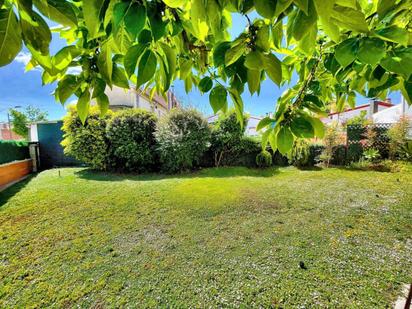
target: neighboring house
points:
(250, 127)
(370, 108)
(394, 113)
(121, 98)
(7, 134)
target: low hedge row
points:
(13, 151)
(135, 141)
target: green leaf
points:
(273, 139)
(265, 137)
(119, 77)
(284, 140)
(105, 63)
(254, 60)
(273, 68)
(198, 19)
(301, 127)
(205, 84)
(234, 53)
(219, 53)
(253, 81)
(394, 34)
(66, 87)
(303, 5)
(83, 105)
(263, 38)
(10, 36)
(103, 103)
(238, 103)
(214, 18)
(171, 61)
(218, 98)
(62, 12)
(349, 18)
(91, 13)
(264, 123)
(64, 57)
(174, 3)
(318, 127)
(35, 31)
(371, 50)
(407, 91)
(399, 61)
(157, 25)
(282, 5)
(99, 86)
(302, 23)
(135, 19)
(147, 68)
(324, 8)
(265, 8)
(346, 52)
(132, 58)
(145, 37)
(384, 6)
(277, 34)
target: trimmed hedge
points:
(13, 151)
(132, 141)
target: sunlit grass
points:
(218, 237)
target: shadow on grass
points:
(222, 172)
(8, 193)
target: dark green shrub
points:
(354, 152)
(132, 141)
(13, 151)
(227, 134)
(339, 155)
(87, 143)
(315, 150)
(264, 159)
(279, 159)
(183, 137)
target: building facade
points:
(135, 98)
(6, 133)
(370, 109)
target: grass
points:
(220, 237)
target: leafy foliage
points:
(371, 155)
(300, 153)
(87, 143)
(13, 151)
(227, 134)
(336, 48)
(333, 138)
(264, 159)
(182, 137)
(132, 140)
(398, 142)
(21, 120)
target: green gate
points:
(50, 136)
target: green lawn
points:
(219, 237)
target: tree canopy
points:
(334, 48)
(21, 120)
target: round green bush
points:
(87, 143)
(182, 137)
(132, 141)
(264, 159)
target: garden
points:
(227, 236)
(177, 212)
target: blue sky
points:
(25, 88)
